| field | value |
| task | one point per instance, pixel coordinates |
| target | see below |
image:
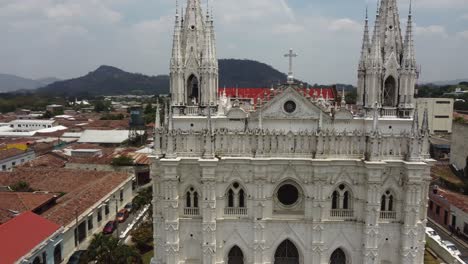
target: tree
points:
(106, 249)
(47, 115)
(122, 161)
(143, 198)
(21, 186)
(143, 237)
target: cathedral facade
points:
(293, 178)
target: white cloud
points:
(433, 30)
(345, 24)
(288, 29)
(444, 4)
(463, 35)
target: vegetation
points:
(21, 186)
(10, 102)
(428, 91)
(143, 198)
(106, 249)
(102, 106)
(143, 237)
(122, 161)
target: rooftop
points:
(22, 234)
(12, 203)
(104, 136)
(9, 153)
(455, 199)
(82, 189)
(33, 121)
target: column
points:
(208, 208)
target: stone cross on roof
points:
(291, 55)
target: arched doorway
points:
(235, 256)
(37, 260)
(338, 257)
(286, 253)
(193, 90)
(58, 254)
(389, 93)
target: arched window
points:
(387, 202)
(286, 253)
(389, 92)
(37, 260)
(195, 199)
(241, 198)
(235, 256)
(191, 198)
(335, 200)
(383, 203)
(342, 198)
(346, 200)
(338, 257)
(236, 196)
(231, 198)
(188, 200)
(193, 90)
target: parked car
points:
(122, 215)
(433, 234)
(451, 247)
(77, 257)
(110, 227)
(129, 207)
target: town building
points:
(459, 147)
(9, 158)
(30, 239)
(440, 113)
(31, 125)
(298, 179)
(14, 203)
(88, 199)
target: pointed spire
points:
(409, 60)
(365, 43)
(176, 45)
(260, 119)
(157, 122)
(375, 56)
(171, 121)
(425, 122)
(343, 99)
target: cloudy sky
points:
(68, 38)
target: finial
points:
(177, 7)
(378, 7)
(367, 12)
(411, 7)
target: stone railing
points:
(192, 111)
(235, 211)
(341, 213)
(316, 145)
(387, 215)
(191, 211)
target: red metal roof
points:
(256, 93)
(22, 234)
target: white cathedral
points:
(293, 178)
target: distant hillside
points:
(450, 82)
(107, 80)
(10, 83)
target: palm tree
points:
(106, 249)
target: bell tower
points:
(387, 71)
(193, 66)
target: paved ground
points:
(445, 235)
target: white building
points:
(31, 125)
(298, 180)
(9, 158)
(440, 113)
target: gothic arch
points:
(389, 92)
(193, 89)
(235, 255)
(339, 256)
(342, 197)
(236, 195)
(192, 197)
(388, 201)
(287, 252)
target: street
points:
(445, 235)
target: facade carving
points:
(294, 179)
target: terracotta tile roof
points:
(82, 188)
(21, 202)
(51, 159)
(9, 153)
(22, 234)
(455, 199)
(107, 124)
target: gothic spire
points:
(415, 126)
(176, 45)
(365, 43)
(390, 31)
(375, 56)
(409, 60)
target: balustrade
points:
(341, 213)
(235, 211)
(191, 211)
(387, 215)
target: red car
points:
(110, 227)
(122, 215)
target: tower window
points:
(236, 196)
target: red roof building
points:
(265, 93)
(21, 236)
